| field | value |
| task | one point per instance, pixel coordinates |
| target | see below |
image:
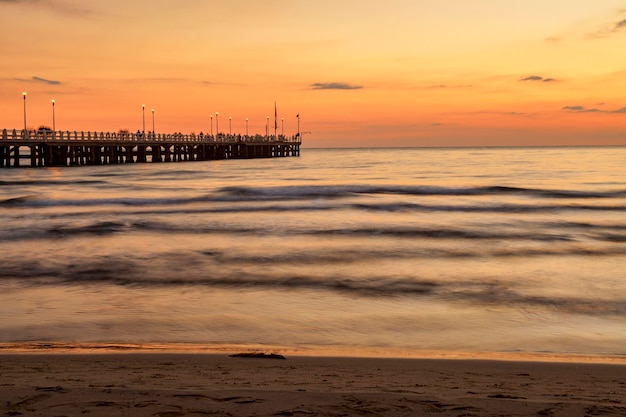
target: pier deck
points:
(19, 148)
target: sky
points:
(359, 73)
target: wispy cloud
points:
(443, 86)
(334, 86)
(36, 79)
(553, 39)
(45, 81)
(538, 78)
(583, 109)
(54, 5)
(612, 27)
(580, 109)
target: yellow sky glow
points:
(359, 72)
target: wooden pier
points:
(36, 148)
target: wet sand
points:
(172, 385)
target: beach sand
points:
(172, 385)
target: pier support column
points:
(16, 156)
(3, 150)
(141, 153)
(156, 153)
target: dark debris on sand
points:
(258, 355)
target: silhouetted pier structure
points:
(36, 148)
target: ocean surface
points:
(390, 252)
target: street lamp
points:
(143, 118)
(153, 134)
(267, 127)
(282, 129)
(217, 124)
(246, 126)
(211, 125)
(54, 127)
(230, 125)
(298, 117)
(25, 131)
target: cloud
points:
(538, 78)
(580, 109)
(583, 109)
(553, 39)
(532, 78)
(334, 86)
(43, 80)
(56, 6)
(610, 29)
(442, 86)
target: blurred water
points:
(388, 250)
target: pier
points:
(45, 148)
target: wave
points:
(339, 191)
(36, 202)
(47, 182)
(288, 193)
(567, 232)
(486, 208)
(126, 273)
(181, 206)
(22, 201)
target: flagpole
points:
(275, 122)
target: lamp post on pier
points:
(153, 132)
(267, 128)
(282, 129)
(211, 125)
(143, 118)
(25, 131)
(246, 126)
(217, 124)
(54, 127)
(230, 125)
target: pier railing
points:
(39, 136)
(47, 148)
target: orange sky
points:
(359, 72)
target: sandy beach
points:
(172, 385)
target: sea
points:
(369, 252)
